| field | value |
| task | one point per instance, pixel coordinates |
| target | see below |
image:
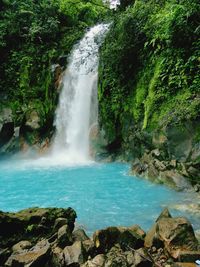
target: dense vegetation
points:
(33, 36)
(149, 72)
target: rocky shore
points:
(47, 237)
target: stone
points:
(164, 214)
(64, 237)
(175, 180)
(141, 259)
(59, 222)
(174, 234)
(36, 257)
(126, 237)
(116, 257)
(22, 245)
(79, 235)
(57, 257)
(97, 261)
(89, 247)
(33, 120)
(74, 254)
(159, 165)
(188, 256)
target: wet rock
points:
(64, 236)
(74, 254)
(79, 235)
(36, 257)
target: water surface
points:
(101, 194)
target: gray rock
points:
(97, 261)
(79, 235)
(141, 259)
(36, 257)
(22, 245)
(74, 254)
(59, 222)
(64, 236)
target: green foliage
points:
(33, 35)
(149, 68)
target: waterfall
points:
(77, 108)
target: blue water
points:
(101, 194)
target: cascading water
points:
(77, 109)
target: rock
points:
(164, 214)
(127, 237)
(116, 257)
(30, 223)
(57, 257)
(22, 245)
(64, 236)
(173, 163)
(188, 256)
(4, 255)
(159, 165)
(36, 257)
(79, 235)
(175, 234)
(97, 261)
(141, 259)
(197, 187)
(106, 238)
(138, 167)
(74, 254)
(131, 237)
(89, 247)
(174, 179)
(183, 264)
(33, 120)
(59, 222)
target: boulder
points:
(33, 222)
(116, 257)
(126, 237)
(174, 179)
(74, 254)
(188, 256)
(89, 247)
(36, 257)
(57, 257)
(59, 222)
(174, 234)
(64, 237)
(141, 259)
(22, 245)
(79, 235)
(97, 261)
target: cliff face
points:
(149, 78)
(35, 39)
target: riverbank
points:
(48, 237)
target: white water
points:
(77, 108)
